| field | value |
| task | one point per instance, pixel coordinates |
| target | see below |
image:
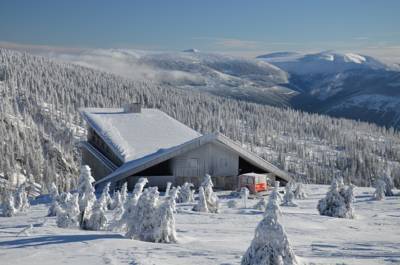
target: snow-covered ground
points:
(372, 238)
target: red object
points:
(254, 182)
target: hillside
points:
(41, 126)
(343, 85)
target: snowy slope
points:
(372, 238)
(229, 76)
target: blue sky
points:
(246, 27)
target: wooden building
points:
(125, 144)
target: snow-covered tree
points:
(300, 193)
(105, 198)
(289, 195)
(54, 196)
(21, 199)
(261, 204)
(167, 189)
(87, 198)
(9, 205)
(137, 191)
(389, 186)
(98, 219)
(270, 245)
(126, 213)
(124, 192)
(70, 216)
(211, 198)
(244, 195)
(201, 205)
(165, 230)
(143, 225)
(380, 188)
(186, 194)
(337, 202)
(275, 192)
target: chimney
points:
(133, 108)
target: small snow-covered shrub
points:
(21, 199)
(124, 192)
(137, 191)
(338, 202)
(167, 189)
(186, 194)
(105, 198)
(165, 230)
(244, 194)
(201, 205)
(270, 245)
(289, 196)
(69, 216)
(232, 204)
(98, 219)
(299, 193)
(9, 205)
(210, 197)
(54, 196)
(124, 212)
(389, 186)
(86, 196)
(380, 187)
(143, 224)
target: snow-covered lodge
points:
(124, 144)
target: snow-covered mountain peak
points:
(326, 62)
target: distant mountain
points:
(339, 84)
(328, 62)
(342, 85)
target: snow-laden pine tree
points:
(244, 195)
(186, 194)
(121, 221)
(54, 196)
(105, 198)
(201, 205)
(69, 217)
(288, 198)
(98, 219)
(389, 186)
(167, 189)
(143, 224)
(165, 230)
(275, 192)
(137, 191)
(21, 199)
(338, 202)
(380, 188)
(117, 205)
(211, 197)
(9, 204)
(261, 204)
(300, 193)
(270, 245)
(124, 192)
(87, 198)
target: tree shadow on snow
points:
(56, 239)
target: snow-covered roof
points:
(136, 135)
